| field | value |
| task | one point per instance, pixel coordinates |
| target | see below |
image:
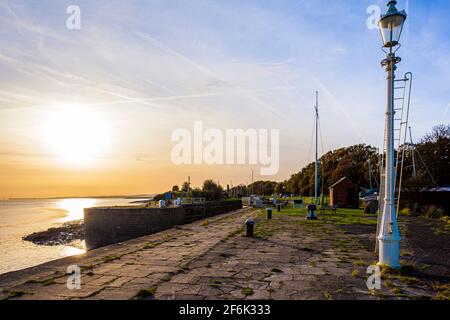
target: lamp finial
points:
(392, 7)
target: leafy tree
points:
(279, 188)
(432, 161)
(351, 162)
(264, 188)
(240, 190)
(175, 188)
(185, 187)
(212, 190)
(198, 193)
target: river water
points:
(19, 218)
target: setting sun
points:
(77, 135)
(239, 151)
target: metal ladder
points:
(405, 85)
(402, 102)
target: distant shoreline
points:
(139, 196)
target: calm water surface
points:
(19, 218)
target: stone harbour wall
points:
(109, 225)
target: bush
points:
(405, 212)
(159, 197)
(433, 212)
(446, 219)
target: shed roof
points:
(340, 181)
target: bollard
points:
(250, 225)
(278, 207)
(269, 213)
(312, 215)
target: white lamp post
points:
(391, 26)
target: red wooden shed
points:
(344, 194)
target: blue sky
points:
(153, 66)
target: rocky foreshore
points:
(67, 233)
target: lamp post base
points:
(312, 215)
(389, 253)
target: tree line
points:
(360, 163)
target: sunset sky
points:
(91, 111)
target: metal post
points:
(249, 228)
(412, 153)
(316, 191)
(269, 213)
(323, 184)
(389, 236)
(253, 190)
(189, 185)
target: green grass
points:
(45, 282)
(406, 254)
(355, 221)
(146, 293)
(404, 274)
(110, 258)
(150, 245)
(167, 277)
(327, 295)
(215, 283)
(397, 291)
(308, 200)
(87, 267)
(290, 212)
(184, 269)
(442, 292)
(355, 273)
(359, 263)
(351, 217)
(247, 291)
(264, 228)
(262, 232)
(48, 282)
(342, 217)
(444, 229)
(16, 293)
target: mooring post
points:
(250, 225)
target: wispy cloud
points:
(154, 66)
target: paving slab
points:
(289, 258)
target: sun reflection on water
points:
(75, 207)
(71, 251)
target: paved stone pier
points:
(289, 258)
(121, 271)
